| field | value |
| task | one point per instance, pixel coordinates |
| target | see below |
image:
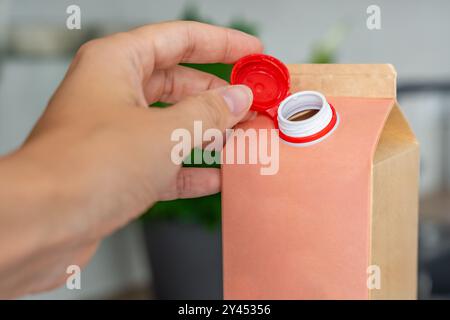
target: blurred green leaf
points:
(325, 50)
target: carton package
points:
(339, 218)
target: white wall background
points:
(414, 37)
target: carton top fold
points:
(346, 80)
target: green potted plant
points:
(183, 236)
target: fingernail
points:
(238, 98)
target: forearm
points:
(25, 196)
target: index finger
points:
(167, 44)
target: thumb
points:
(220, 108)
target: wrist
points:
(37, 208)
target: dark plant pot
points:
(186, 260)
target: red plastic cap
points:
(266, 76)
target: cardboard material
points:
(334, 208)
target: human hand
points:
(99, 157)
